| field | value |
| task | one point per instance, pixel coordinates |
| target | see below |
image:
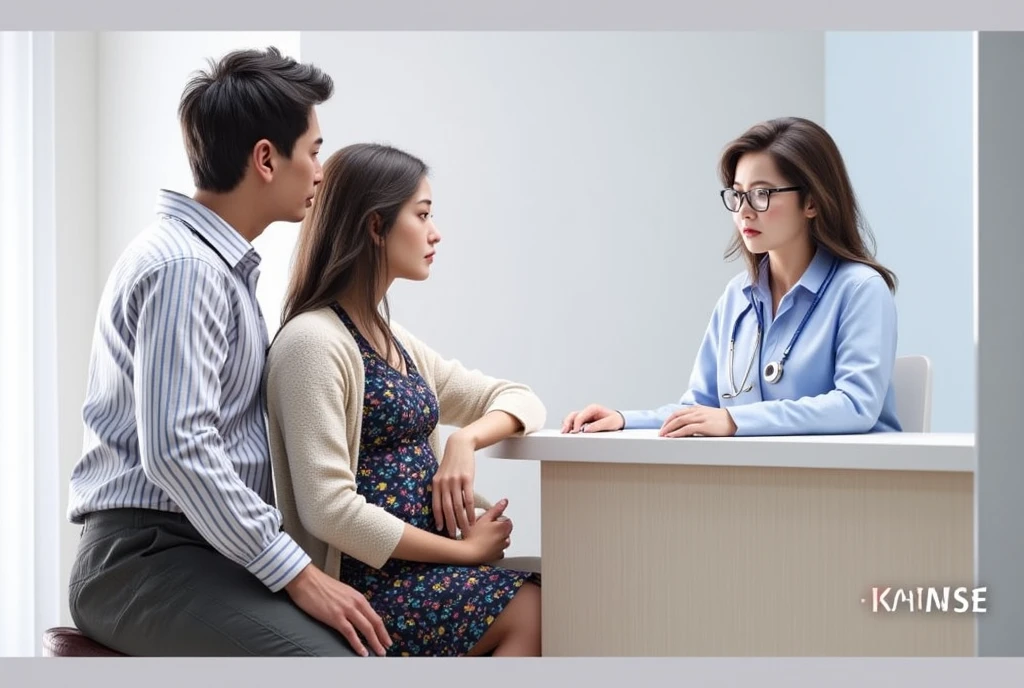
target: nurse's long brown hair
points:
(807, 156)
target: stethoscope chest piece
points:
(773, 372)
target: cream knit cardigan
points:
(315, 384)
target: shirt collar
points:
(817, 271)
(221, 237)
(810, 281)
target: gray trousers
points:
(146, 583)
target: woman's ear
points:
(375, 229)
(810, 210)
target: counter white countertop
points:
(876, 451)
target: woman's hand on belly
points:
(453, 486)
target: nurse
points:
(804, 340)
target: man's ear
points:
(264, 159)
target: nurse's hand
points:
(698, 421)
(593, 418)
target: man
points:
(182, 552)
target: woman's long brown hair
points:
(340, 243)
(807, 156)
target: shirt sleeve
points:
(864, 359)
(181, 347)
(465, 395)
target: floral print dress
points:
(429, 609)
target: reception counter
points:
(751, 546)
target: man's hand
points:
(341, 607)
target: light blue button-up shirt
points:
(838, 377)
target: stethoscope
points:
(772, 371)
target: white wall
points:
(575, 191)
(23, 75)
(900, 107)
(76, 176)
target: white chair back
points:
(912, 383)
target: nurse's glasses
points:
(757, 198)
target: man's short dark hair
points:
(247, 96)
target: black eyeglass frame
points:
(744, 195)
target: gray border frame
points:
(998, 308)
(492, 673)
(515, 15)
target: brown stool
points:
(64, 641)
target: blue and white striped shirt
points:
(174, 413)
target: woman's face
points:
(784, 222)
(410, 244)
